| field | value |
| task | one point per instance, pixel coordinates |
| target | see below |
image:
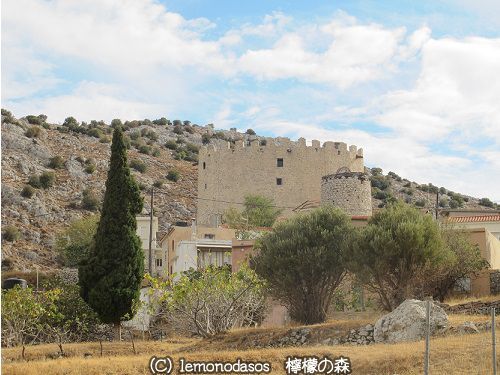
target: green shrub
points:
(11, 233)
(250, 132)
(178, 129)
(56, 162)
(486, 202)
(156, 152)
(27, 191)
(138, 165)
(90, 201)
(145, 149)
(90, 168)
(34, 180)
(36, 120)
(104, 139)
(379, 182)
(173, 175)
(205, 138)
(47, 179)
(136, 134)
(158, 184)
(191, 147)
(142, 185)
(420, 203)
(379, 194)
(32, 132)
(8, 118)
(171, 145)
(376, 171)
(95, 132)
(162, 121)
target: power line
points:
(232, 202)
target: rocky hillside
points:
(53, 174)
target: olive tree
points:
(463, 260)
(393, 250)
(302, 260)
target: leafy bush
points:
(158, 184)
(104, 139)
(90, 201)
(71, 122)
(380, 182)
(205, 138)
(376, 171)
(173, 175)
(95, 132)
(171, 145)
(156, 152)
(56, 162)
(74, 242)
(27, 191)
(47, 179)
(486, 202)
(135, 135)
(178, 129)
(191, 147)
(138, 165)
(8, 117)
(90, 168)
(145, 149)
(11, 233)
(162, 121)
(379, 194)
(420, 203)
(250, 132)
(34, 180)
(230, 300)
(32, 132)
(36, 120)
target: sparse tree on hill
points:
(302, 260)
(111, 276)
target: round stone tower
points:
(349, 191)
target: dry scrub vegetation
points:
(450, 355)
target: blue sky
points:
(414, 83)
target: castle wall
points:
(348, 191)
(228, 173)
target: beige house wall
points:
(230, 173)
(490, 251)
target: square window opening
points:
(279, 162)
(279, 181)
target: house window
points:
(173, 247)
(279, 162)
(209, 236)
(159, 262)
(204, 165)
(279, 181)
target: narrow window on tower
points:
(279, 181)
(204, 165)
(279, 162)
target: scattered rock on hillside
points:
(407, 322)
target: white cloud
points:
(355, 53)
(456, 92)
(90, 100)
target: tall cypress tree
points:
(110, 277)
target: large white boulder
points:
(407, 322)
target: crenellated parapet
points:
(289, 172)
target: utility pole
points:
(437, 205)
(150, 250)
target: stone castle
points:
(293, 174)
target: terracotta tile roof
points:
(474, 219)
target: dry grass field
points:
(470, 354)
